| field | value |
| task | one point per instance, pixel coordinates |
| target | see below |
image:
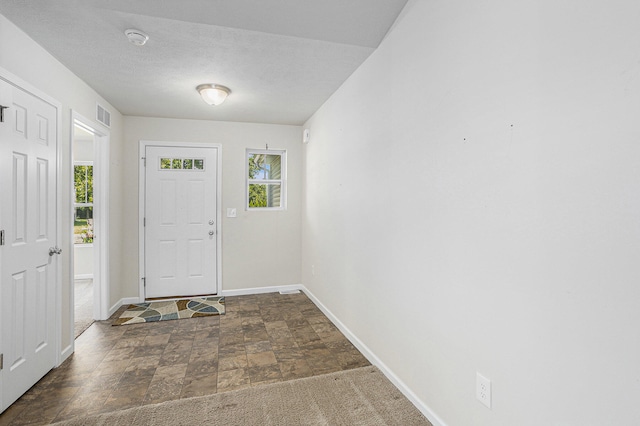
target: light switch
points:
(231, 213)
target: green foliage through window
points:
(181, 164)
(257, 193)
(83, 218)
(83, 184)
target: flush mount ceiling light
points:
(136, 37)
(213, 94)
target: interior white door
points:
(180, 221)
(28, 217)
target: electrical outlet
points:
(483, 390)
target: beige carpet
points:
(354, 397)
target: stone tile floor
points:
(262, 339)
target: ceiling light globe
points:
(136, 37)
(213, 94)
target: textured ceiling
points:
(281, 58)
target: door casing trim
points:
(142, 147)
(101, 212)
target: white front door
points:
(28, 217)
(181, 227)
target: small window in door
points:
(83, 203)
(181, 164)
(266, 180)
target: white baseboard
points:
(260, 290)
(123, 301)
(373, 359)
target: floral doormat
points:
(171, 310)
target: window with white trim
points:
(266, 179)
(83, 202)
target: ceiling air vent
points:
(103, 116)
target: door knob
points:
(211, 232)
(54, 250)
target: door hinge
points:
(145, 161)
(144, 221)
(1, 237)
(144, 281)
(1, 361)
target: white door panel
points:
(180, 216)
(28, 215)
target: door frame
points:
(101, 143)
(142, 147)
(19, 83)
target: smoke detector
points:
(136, 37)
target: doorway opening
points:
(89, 155)
(83, 228)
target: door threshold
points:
(169, 298)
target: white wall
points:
(259, 248)
(21, 56)
(83, 261)
(82, 145)
(471, 203)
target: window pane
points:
(273, 163)
(89, 187)
(198, 164)
(264, 195)
(83, 225)
(265, 166)
(83, 183)
(165, 163)
(177, 163)
(187, 164)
